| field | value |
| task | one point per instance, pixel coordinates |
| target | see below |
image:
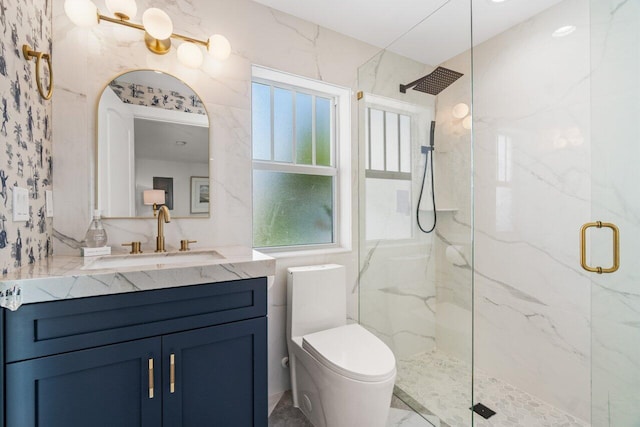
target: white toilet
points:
(341, 375)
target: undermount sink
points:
(140, 260)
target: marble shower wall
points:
(89, 58)
(531, 165)
(615, 298)
(25, 132)
(397, 289)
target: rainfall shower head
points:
(433, 83)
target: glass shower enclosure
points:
(495, 307)
(416, 287)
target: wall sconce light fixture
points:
(157, 26)
(154, 198)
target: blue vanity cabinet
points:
(104, 386)
(213, 372)
(189, 356)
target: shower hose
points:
(429, 159)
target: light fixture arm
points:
(156, 46)
(156, 26)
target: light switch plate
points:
(20, 204)
(48, 200)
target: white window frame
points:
(341, 158)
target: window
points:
(388, 175)
(390, 126)
(298, 129)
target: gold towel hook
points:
(39, 56)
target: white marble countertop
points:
(65, 277)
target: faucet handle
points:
(135, 247)
(184, 244)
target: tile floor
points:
(441, 385)
(437, 387)
(285, 415)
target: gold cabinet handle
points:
(172, 373)
(616, 247)
(151, 387)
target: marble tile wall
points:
(397, 276)
(531, 165)
(25, 133)
(89, 58)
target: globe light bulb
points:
(460, 110)
(190, 55)
(466, 123)
(82, 13)
(157, 23)
(219, 47)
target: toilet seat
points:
(352, 352)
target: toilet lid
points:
(353, 352)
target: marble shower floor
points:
(440, 385)
(285, 415)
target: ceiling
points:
(439, 28)
(157, 140)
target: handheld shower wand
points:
(428, 150)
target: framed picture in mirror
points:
(199, 194)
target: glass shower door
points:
(615, 152)
(415, 288)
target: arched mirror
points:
(153, 147)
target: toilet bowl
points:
(341, 375)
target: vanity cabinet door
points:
(102, 386)
(219, 376)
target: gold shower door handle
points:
(616, 247)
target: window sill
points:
(304, 252)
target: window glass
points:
(291, 209)
(388, 208)
(392, 149)
(282, 125)
(405, 144)
(261, 121)
(304, 138)
(376, 141)
(323, 131)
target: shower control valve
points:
(424, 149)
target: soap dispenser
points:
(96, 236)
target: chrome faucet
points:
(163, 216)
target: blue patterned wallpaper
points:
(25, 132)
(131, 93)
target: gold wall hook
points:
(39, 56)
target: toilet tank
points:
(316, 299)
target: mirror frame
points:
(96, 149)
